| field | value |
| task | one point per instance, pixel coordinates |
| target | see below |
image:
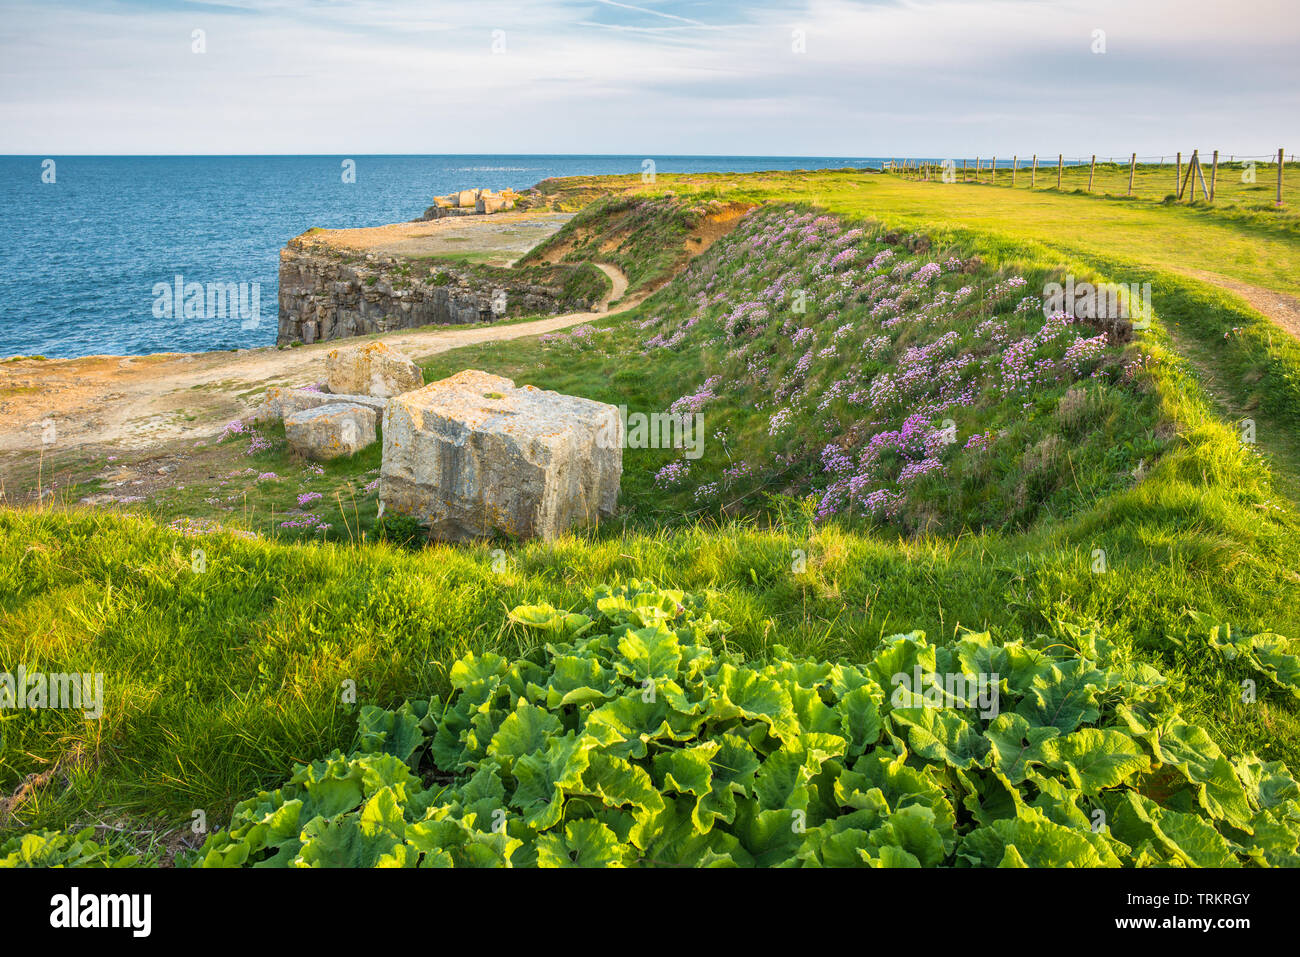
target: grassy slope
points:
(644, 238)
(216, 682)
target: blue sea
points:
(80, 256)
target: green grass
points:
(1233, 189)
(217, 681)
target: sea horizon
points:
(87, 238)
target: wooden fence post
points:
(1060, 168)
(1015, 164)
(1178, 175)
(993, 172)
(1200, 175)
(1132, 168)
(1214, 174)
(1033, 176)
(1092, 167)
(1186, 179)
(1280, 160)
(963, 171)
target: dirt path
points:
(140, 402)
(1282, 309)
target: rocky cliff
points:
(328, 293)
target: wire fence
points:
(1251, 180)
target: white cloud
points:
(926, 77)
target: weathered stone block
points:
(330, 431)
(280, 402)
(473, 455)
(373, 369)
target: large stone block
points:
(330, 431)
(280, 402)
(473, 455)
(373, 369)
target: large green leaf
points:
(584, 843)
(544, 776)
(1016, 745)
(1060, 697)
(524, 731)
(649, 654)
(373, 839)
(1094, 759)
(743, 692)
(942, 734)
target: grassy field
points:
(219, 680)
(1238, 184)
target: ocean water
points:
(81, 257)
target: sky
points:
(831, 78)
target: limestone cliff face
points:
(329, 294)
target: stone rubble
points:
(470, 202)
(361, 381)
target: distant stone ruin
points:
(470, 202)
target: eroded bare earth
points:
(141, 403)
